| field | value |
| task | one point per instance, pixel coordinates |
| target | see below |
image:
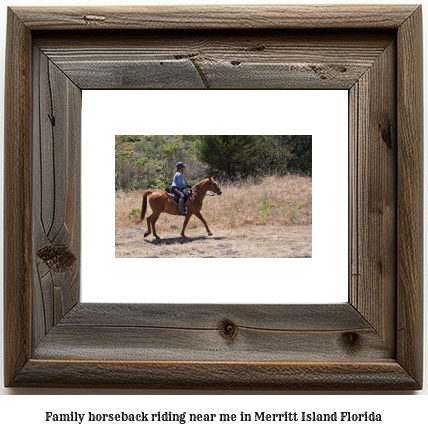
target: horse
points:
(161, 202)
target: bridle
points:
(206, 194)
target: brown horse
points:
(161, 202)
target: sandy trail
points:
(245, 242)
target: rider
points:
(178, 185)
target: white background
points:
(322, 114)
(401, 413)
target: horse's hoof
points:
(145, 235)
(209, 233)
(158, 238)
(184, 236)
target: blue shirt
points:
(178, 180)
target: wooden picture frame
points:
(372, 342)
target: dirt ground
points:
(248, 242)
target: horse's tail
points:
(144, 206)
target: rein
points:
(206, 194)
(193, 188)
(197, 198)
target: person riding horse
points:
(161, 202)
(178, 185)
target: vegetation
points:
(135, 212)
(149, 161)
(265, 208)
(243, 156)
(269, 201)
(230, 155)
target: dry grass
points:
(271, 201)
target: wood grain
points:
(410, 197)
(17, 199)
(372, 342)
(217, 17)
(198, 332)
(385, 375)
(216, 59)
(373, 169)
(209, 316)
(56, 194)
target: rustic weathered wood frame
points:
(372, 342)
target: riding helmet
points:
(180, 164)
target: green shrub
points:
(265, 208)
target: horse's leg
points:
(186, 220)
(154, 228)
(149, 230)
(201, 218)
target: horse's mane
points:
(200, 182)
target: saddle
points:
(175, 197)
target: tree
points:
(229, 155)
(255, 155)
(300, 149)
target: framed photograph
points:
(261, 224)
(372, 341)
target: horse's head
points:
(213, 186)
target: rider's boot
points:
(181, 206)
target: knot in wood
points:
(58, 259)
(351, 340)
(386, 134)
(89, 18)
(228, 329)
